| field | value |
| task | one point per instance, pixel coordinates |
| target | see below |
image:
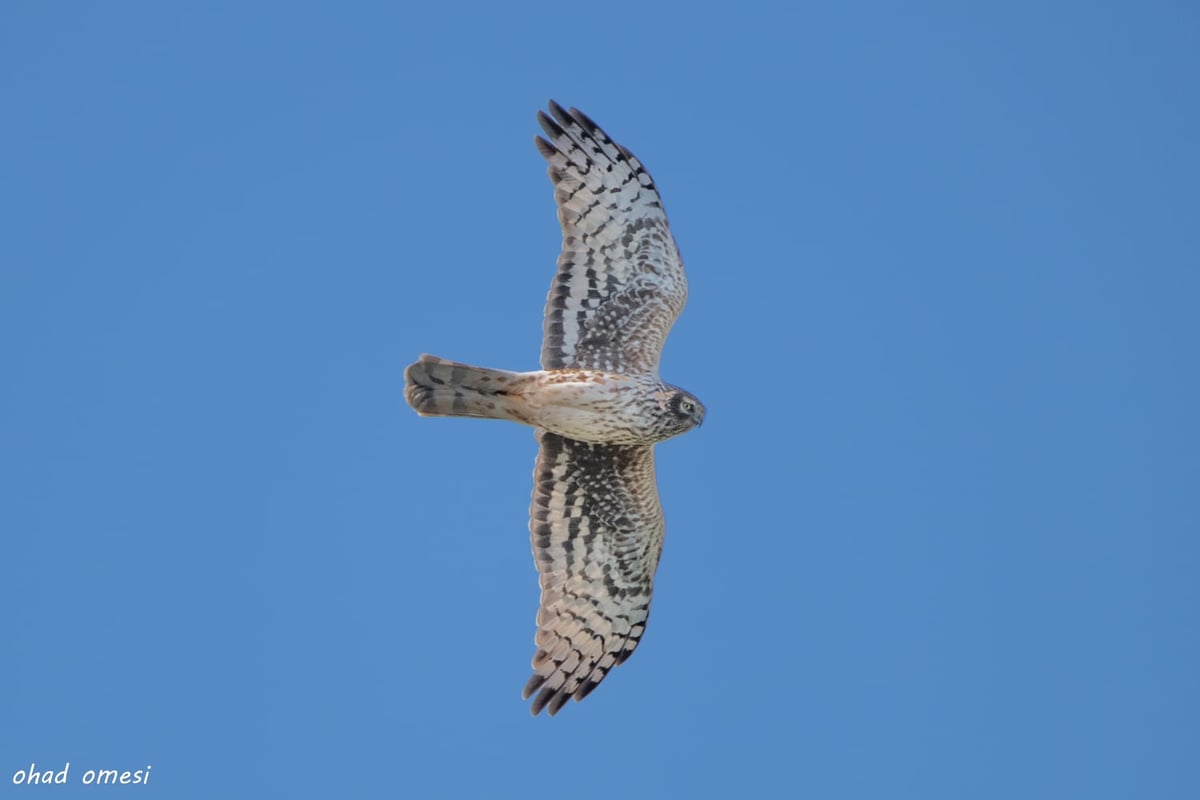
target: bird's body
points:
(583, 404)
(598, 407)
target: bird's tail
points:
(435, 387)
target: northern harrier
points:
(597, 404)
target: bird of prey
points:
(598, 407)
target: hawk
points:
(597, 404)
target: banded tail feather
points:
(435, 387)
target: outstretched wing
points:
(620, 283)
(597, 535)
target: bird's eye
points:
(686, 406)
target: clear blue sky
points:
(937, 539)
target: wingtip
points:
(550, 125)
(544, 147)
(586, 122)
(532, 685)
(540, 701)
(568, 116)
(557, 702)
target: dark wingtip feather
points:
(560, 700)
(549, 699)
(550, 126)
(535, 681)
(545, 148)
(586, 687)
(539, 702)
(559, 113)
(586, 122)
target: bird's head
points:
(682, 411)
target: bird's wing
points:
(620, 283)
(597, 531)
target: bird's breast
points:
(591, 406)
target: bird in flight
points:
(597, 405)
